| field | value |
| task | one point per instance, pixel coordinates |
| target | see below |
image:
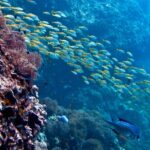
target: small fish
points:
(46, 13)
(63, 119)
(125, 128)
(32, 2)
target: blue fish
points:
(125, 128)
(63, 119)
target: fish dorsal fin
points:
(124, 120)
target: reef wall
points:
(21, 115)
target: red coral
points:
(2, 22)
(13, 45)
(25, 63)
(14, 40)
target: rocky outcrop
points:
(21, 114)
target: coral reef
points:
(127, 27)
(92, 144)
(85, 129)
(21, 115)
(40, 145)
(25, 63)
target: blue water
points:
(126, 24)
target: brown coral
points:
(21, 115)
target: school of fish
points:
(88, 56)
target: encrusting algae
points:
(21, 115)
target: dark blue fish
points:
(125, 128)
